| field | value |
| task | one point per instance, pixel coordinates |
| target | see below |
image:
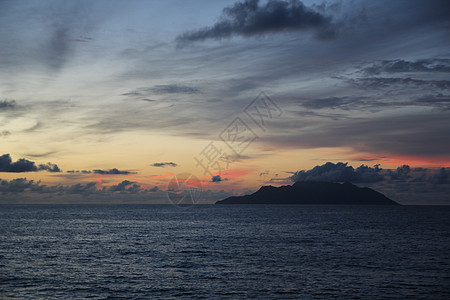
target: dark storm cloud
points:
(339, 172)
(164, 164)
(249, 18)
(113, 171)
(24, 165)
(403, 66)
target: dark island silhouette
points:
(313, 193)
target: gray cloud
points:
(78, 171)
(154, 189)
(113, 171)
(174, 89)
(126, 186)
(404, 184)
(18, 186)
(7, 104)
(133, 93)
(45, 154)
(401, 173)
(164, 164)
(248, 18)
(22, 185)
(417, 134)
(161, 92)
(331, 102)
(403, 66)
(76, 189)
(339, 172)
(434, 99)
(24, 165)
(49, 167)
(22, 190)
(217, 179)
(385, 82)
(442, 177)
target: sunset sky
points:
(105, 101)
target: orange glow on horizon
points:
(399, 160)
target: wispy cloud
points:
(174, 89)
(164, 164)
(404, 66)
(386, 82)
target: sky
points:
(107, 101)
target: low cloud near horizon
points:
(23, 165)
(404, 184)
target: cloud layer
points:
(339, 172)
(342, 172)
(404, 184)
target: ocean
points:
(224, 251)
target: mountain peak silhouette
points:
(309, 192)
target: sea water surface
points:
(229, 251)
